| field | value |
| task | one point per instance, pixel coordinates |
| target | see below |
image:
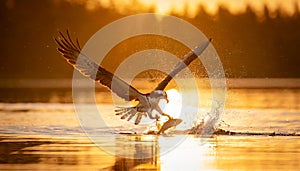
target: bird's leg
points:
(158, 124)
(164, 114)
(150, 114)
(153, 117)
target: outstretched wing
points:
(187, 59)
(72, 53)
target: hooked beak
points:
(167, 100)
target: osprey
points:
(71, 51)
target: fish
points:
(170, 123)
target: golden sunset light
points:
(191, 7)
(150, 85)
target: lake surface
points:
(47, 135)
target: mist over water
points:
(246, 109)
(46, 131)
(49, 133)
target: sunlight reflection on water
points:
(218, 153)
(41, 135)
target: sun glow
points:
(190, 8)
(173, 108)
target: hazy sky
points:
(253, 38)
(190, 7)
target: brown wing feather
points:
(187, 59)
(72, 53)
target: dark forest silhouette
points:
(247, 46)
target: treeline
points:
(247, 46)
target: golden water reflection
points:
(195, 153)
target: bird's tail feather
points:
(129, 113)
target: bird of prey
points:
(147, 103)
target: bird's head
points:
(159, 94)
